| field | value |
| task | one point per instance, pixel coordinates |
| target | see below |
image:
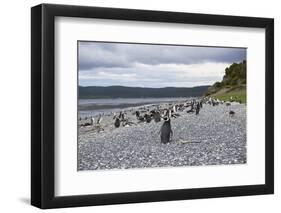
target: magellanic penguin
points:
(231, 113)
(166, 130)
(157, 117)
(147, 118)
(197, 109)
(117, 122)
(92, 121)
(99, 120)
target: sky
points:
(155, 66)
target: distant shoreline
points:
(96, 92)
(84, 98)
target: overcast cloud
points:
(141, 65)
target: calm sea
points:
(93, 107)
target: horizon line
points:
(144, 87)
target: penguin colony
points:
(144, 115)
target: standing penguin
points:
(197, 109)
(201, 103)
(92, 121)
(123, 116)
(166, 131)
(137, 114)
(174, 108)
(147, 118)
(192, 105)
(157, 116)
(99, 119)
(117, 122)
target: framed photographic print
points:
(139, 106)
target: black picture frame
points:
(43, 102)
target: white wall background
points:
(15, 105)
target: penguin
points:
(157, 117)
(92, 121)
(147, 118)
(117, 122)
(192, 105)
(197, 109)
(141, 118)
(99, 120)
(231, 113)
(175, 115)
(152, 113)
(174, 108)
(122, 116)
(190, 110)
(137, 114)
(163, 112)
(87, 123)
(166, 131)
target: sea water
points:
(94, 107)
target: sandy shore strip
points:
(211, 138)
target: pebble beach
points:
(214, 137)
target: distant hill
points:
(139, 92)
(233, 84)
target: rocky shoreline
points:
(214, 137)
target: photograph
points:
(146, 105)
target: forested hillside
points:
(233, 83)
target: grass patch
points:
(239, 95)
